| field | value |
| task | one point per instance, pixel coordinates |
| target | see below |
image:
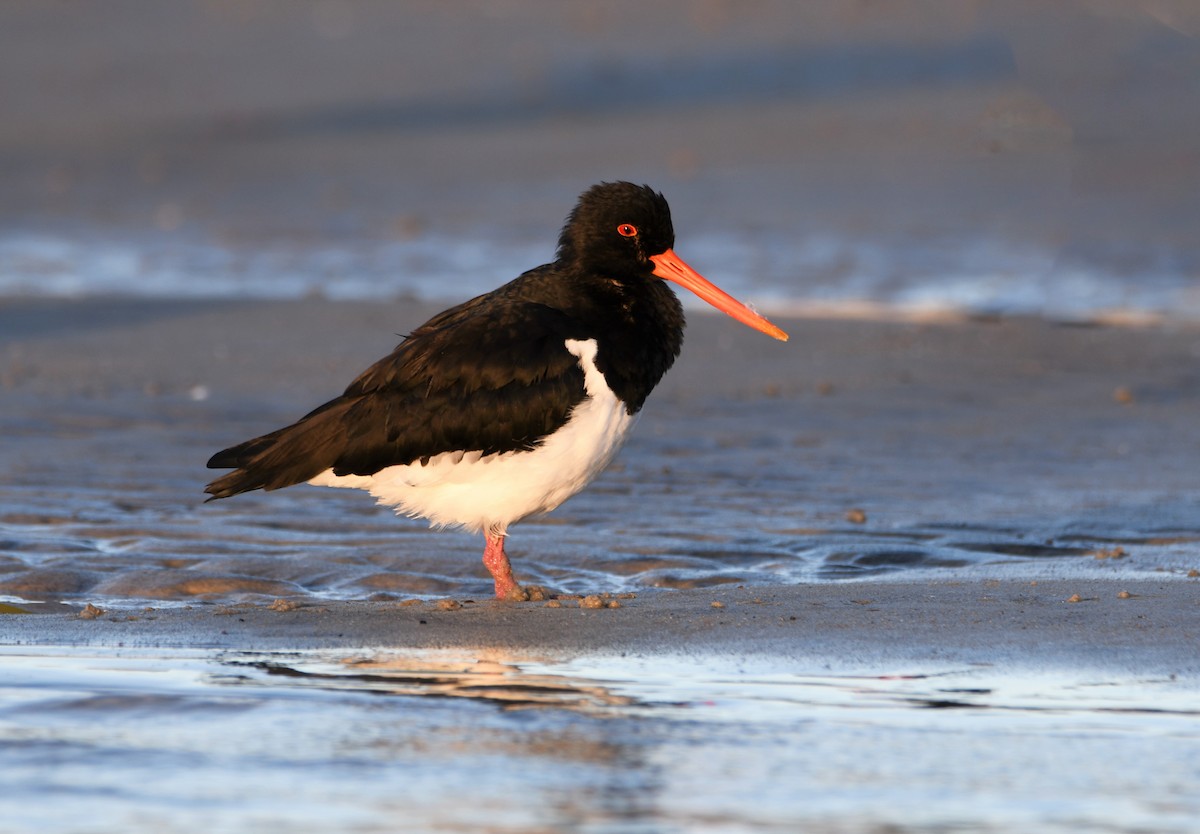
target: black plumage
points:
(492, 374)
(515, 371)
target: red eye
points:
(626, 230)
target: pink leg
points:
(495, 560)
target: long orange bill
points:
(671, 267)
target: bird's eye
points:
(626, 230)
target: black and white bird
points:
(506, 405)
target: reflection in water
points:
(611, 776)
(314, 741)
(495, 677)
(126, 741)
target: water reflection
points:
(495, 677)
(522, 725)
(507, 741)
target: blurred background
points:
(839, 156)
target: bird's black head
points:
(615, 228)
(623, 232)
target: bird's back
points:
(492, 375)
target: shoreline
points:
(982, 446)
(1004, 624)
(914, 570)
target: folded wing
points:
(480, 377)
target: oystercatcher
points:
(510, 403)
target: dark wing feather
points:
(491, 377)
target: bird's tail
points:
(291, 455)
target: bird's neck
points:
(639, 335)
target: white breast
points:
(489, 492)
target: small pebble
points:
(1124, 595)
(449, 604)
(856, 516)
(612, 603)
(91, 612)
(1123, 395)
(1074, 598)
(283, 605)
(1193, 573)
(553, 603)
(718, 605)
(591, 601)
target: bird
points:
(506, 405)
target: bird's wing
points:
(481, 377)
(499, 380)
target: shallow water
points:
(350, 550)
(102, 499)
(104, 740)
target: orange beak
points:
(671, 267)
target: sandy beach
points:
(971, 443)
(881, 517)
(930, 566)
(1105, 627)
(936, 434)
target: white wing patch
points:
(476, 492)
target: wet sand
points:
(918, 576)
(1061, 457)
(1113, 627)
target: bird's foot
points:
(517, 593)
(511, 592)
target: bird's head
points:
(624, 231)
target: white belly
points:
(477, 492)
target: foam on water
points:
(85, 265)
(815, 274)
